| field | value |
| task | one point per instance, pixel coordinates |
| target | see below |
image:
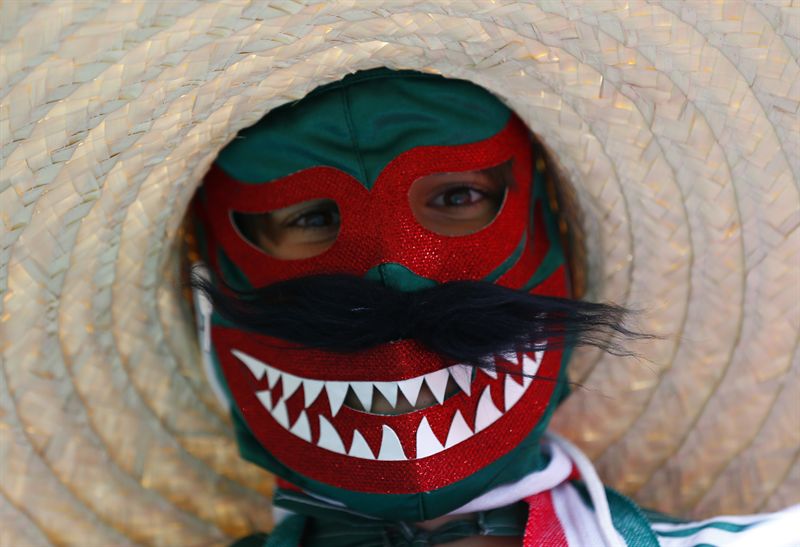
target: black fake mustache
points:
(467, 321)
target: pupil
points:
(317, 220)
(458, 197)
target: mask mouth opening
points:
(390, 403)
(316, 410)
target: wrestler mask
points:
(361, 143)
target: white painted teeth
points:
(487, 413)
(360, 448)
(462, 374)
(530, 367)
(512, 391)
(391, 449)
(389, 391)
(328, 437)
(290, 384)
(257, 368)
(511, 357)
(336, 391)
(265, 397)
(272, 376)
(492, 372)
(459, 431)
(410, 389)
(280, 414)
(437, 382)
(363, 391)
(311, 390)
(427, 443)
(302, 428)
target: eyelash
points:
(459, 187)
(330, 213)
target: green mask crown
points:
(360, 128)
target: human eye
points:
(322, 217)
(459, 196)
(458, 203)
(302, 230)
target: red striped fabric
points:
(543, 528)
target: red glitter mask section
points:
(378, 226)
(379, 453)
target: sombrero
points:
(675, 127)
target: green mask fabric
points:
(361, 123)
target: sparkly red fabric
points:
(543, 528)
(363, 475)
(378, 226)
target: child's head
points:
(368, 243)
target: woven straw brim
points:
(677, 124)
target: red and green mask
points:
(361, 143)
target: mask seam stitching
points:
(353, 135)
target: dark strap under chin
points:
(319, 524)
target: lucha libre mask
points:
(361, 143)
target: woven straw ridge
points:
(676, 122)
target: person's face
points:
(418, 184)
(450, 204)
(428, 216)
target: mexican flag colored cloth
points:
(562, 505)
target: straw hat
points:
(676, 126)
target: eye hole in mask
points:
(449, 204)
(460, 203)
(301, 230)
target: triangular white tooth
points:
(512, 391)
(391, 449)
(336, 391)
(272, 376)
(462, 374)
(311, 390)
(257, 368)
(328, 437)
(530, 367)
(302, 428)
(410, 388)
(266, 398)
(437, 382)
(280, 414)
(459, 430)
(389, 391)
(511, 357)
(363, 391)
(492, 372)
(360, 448)
(487, 413)
(427, 443)
(290, 384)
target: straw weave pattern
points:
(676, 122)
